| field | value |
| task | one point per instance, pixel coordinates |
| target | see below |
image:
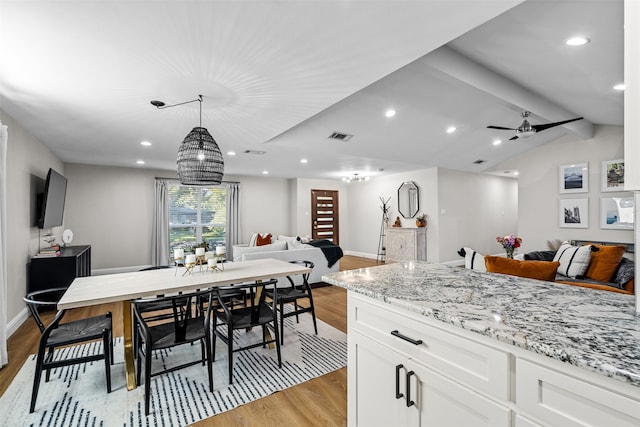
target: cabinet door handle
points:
(406, 338)
(398, 394)
(409, 401)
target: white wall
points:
(28, 162)
(473, 210)
(538, 216)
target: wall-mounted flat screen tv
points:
(52, 205)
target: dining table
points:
(124, 287)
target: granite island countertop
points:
(588, 328)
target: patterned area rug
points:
(77, 395)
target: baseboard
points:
(17, 321)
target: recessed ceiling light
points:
(451, 129)
(140, 162)
(231, 153)
(577, 41)
(497, 142)
(516, 173)
(390, 113)
(619, 86)
(265, 172)
(304, 161)
(145, 143)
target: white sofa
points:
(288, 251)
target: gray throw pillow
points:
(624, 273)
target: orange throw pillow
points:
(604, 262)
(261, 241)
(541, 270)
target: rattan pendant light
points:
(199, 159)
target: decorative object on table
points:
(382, 248)
(67, 237)
(617, 212)
(574, 178)
(397, 223)
(421, 220)
(408, 199)
(199, 160)
(574, 213)
(178, 258)
(612, 175)
(509, 243)
(189, 264)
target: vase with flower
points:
(509, 243)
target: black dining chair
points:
(188, 322)
(292, 295)
(256, 312)
(58, 334)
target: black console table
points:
(59, 272)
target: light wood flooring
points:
(318, 402)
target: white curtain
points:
(4, 140)
(233, 216)
(160, 236)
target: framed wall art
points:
(612, 175)
(574, 213)
(574, 178)
(617, 212)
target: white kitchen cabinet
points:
(457, 378)
(396, 382)
(406, 244)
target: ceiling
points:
(281, 76)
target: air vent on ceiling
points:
(477, 162)
(340, 136)
(256, 152)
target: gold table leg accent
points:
(128, 345)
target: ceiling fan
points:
(527, 129)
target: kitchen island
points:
(461, 347)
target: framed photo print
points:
(612, 176)
(617, 212)
(574, 178)
(574, 213)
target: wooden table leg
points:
(128, 345)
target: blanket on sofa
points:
(331, 251)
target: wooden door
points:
(324, 215)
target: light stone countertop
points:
(592, 329)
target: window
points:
(197, 214)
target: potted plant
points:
(421, 220)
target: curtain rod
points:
(176, 179)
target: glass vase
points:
(509, 252)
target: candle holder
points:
(216, 263)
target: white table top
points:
(93, 290)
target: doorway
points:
(324, 215)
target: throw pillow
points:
(253, 239)
(625, 272)
(540, 270)
(263, 240)
(573, 260)
(604, 262)
(474, 260)
(540, 256)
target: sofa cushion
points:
(238, 251)
(604, 262)
(474, 260)
(573, 260)
(541, 270)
